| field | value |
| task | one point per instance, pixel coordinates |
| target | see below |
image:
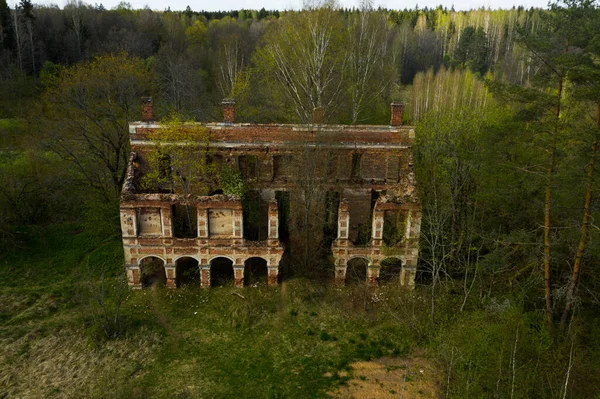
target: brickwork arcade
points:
(371, 204)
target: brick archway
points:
(356, 270)
(152, 272)
(221, 271)
(256, 271)
(187, 271)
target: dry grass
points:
(392, 378)
(67, 364)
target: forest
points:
(506, 109)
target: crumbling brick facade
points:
(367, 170)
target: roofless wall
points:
(362, 178)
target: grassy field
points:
(294, 341)
(300, 340)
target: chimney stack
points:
(228, 110)
(147, 109)
(318, 115)
(397, 110)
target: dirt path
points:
(392, 378)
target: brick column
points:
(377, 227)
(273, 271)
(266, 168)
(343, 220)
(415, 224)
(273, 223)
(238, 273)
(166, 216)
(205, 276)
(408, 225)
(202, 223)
(170, 271)
(238, 225)
(134, 276)
(413, 229)
(407, 277)
(373, 275)
(340, 272)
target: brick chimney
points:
(228, 110)
(397, 110)
(318, 115)
(147, 109)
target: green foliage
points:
(231, 181)
(182, 169)
(83, 118)
(472, 51)
(32, 190)
(49, 74)
(364, 232)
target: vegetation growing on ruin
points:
(507, 116)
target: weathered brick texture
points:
(369, 168)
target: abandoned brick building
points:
(364, 209)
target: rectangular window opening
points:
(256, 216)
(185, 221)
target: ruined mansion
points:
(342, 193)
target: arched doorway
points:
(389, 272)
(152, 270)
(187, 271)
(356, 271)
(255, 272)
(221, 272)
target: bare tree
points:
(74, 11)
(369, 70)
(232, 49)
(306, 49)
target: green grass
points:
(291, 341)
(294, 341)
(268, 344)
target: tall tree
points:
(370, 71)
(6, 40)
(586, 81)
(28, 18)
(305, 54)
(555, 54)
(85, 117)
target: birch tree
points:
(230, 56)
(369, 68)
(304, 53)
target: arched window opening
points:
(187, 272)
(152, 271)
(356, 271)
(221, 272)
(255, 272)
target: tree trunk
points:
(18, 39)
(548, 199)
(584, 233)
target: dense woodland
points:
(506, 105)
